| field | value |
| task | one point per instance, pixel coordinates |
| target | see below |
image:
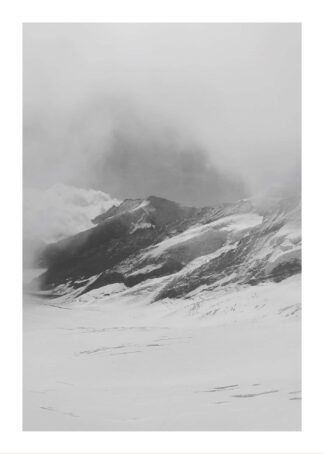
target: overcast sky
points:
(193, 112)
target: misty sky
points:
(198, 113)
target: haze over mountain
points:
(57, 213)
(196, 113)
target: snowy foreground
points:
(109, 360)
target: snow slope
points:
(225, 360)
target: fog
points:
(198, 113)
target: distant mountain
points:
(189, 249)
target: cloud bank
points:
(198, 113)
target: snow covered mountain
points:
(174, 318)
(190, 249)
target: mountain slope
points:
(247, 242)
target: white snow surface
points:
(220, 359)
(62, 210)
(233, 223)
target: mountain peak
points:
(160, 208)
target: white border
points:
(12, 439)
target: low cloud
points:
(118, 147)
(185, 111)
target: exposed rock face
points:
(246, 243)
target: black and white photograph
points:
(162, 226)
